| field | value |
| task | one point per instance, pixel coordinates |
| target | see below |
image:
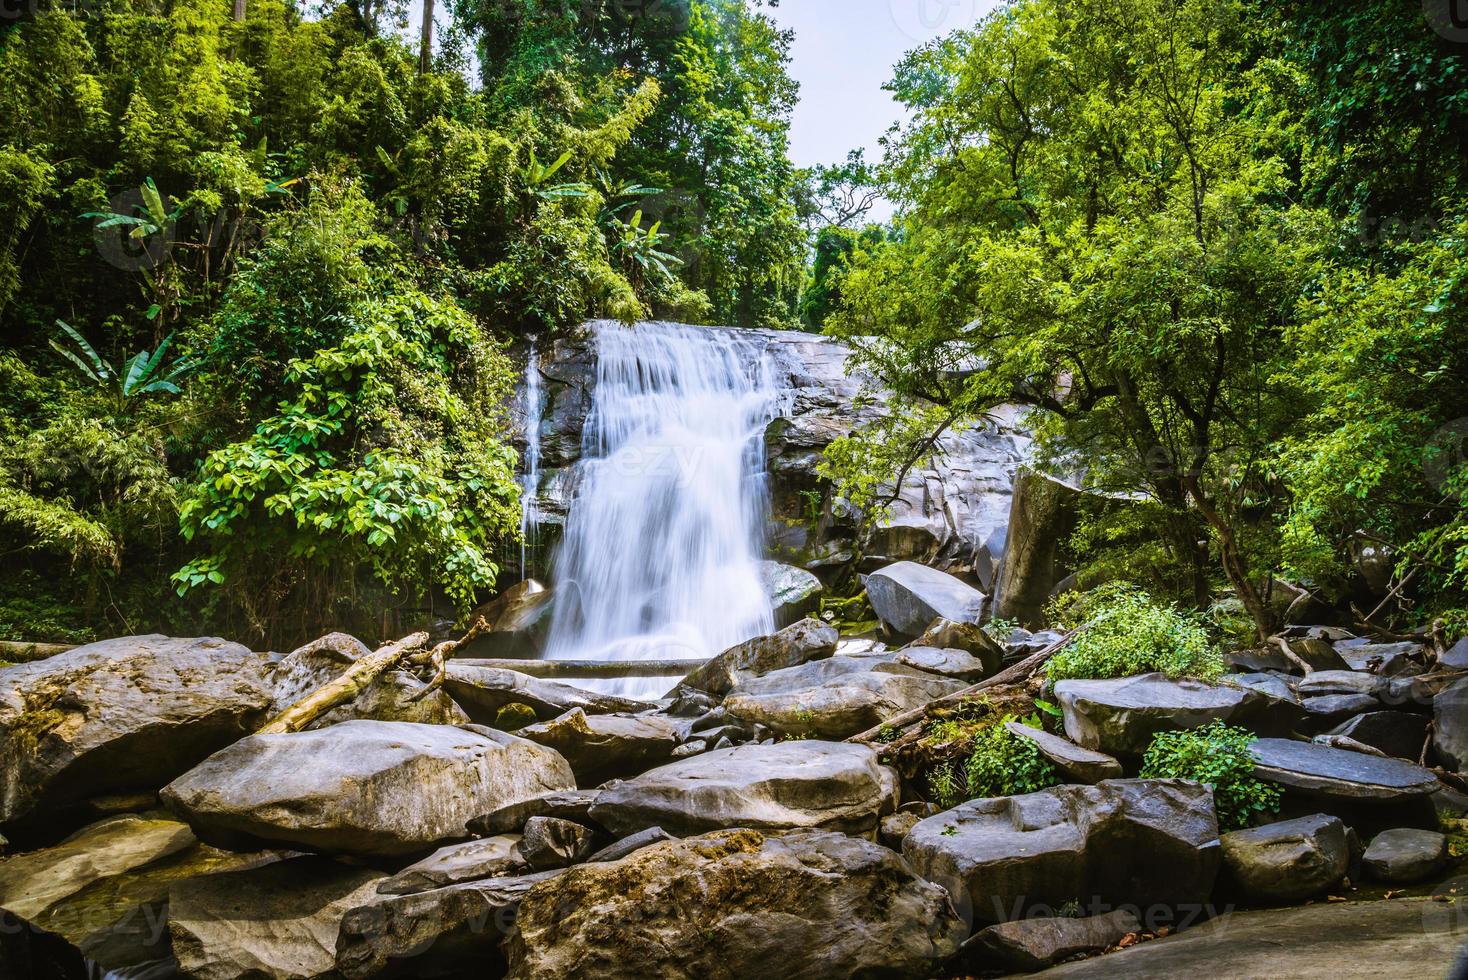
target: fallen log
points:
(345, 688)
(24, 652)
(1016, 674)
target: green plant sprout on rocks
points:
(1219, 757)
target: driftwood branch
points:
(438, 658)
(1016, 674)
(345, 688)
(21, 652)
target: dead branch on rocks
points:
(1020, 673)
(345, 688)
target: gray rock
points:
(1450, 726)
(510, 819)
(1339, 774)
(362, 787)
(1455, 657)
(551, 843)
(800, 784)
(1397, 733)
(1121, 716)
(1332, 682)
(599, 747)
(895, 827)
(807, 640)
(1262, 660)
(33, 882)
(945, 634)
(630, 845)
(1121, 842)
(1312, 655)
(1405, 857)
(794, 592)
(1027, 945)
(1082, 765)
(841, 707)
(277, 922)
(1383, 659)
(1043, 511)
(455, 931)
(908, 597)
(1330, 709)
(491, 857)
(1330, 634)
(1290, 861)
(953, 663)
(807, 904)
(692, 747)
(1273, 684)
(389, 698)
(483, 691)
(121, 716)
(519, 624)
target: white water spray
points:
(661, 555)
(530, 482)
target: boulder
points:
(1273, 684)
(550, 843)
(908, 597)
(945, 634)
(738, 904)
(1042, 513)
(957, 664)
(895, 827)
(277, 922)
(1288, 862)
(484, 691)
(1312, 655)
(120, 716)
(455, 931)
(1331, 709)
(1450, 725)
(841, 707)
(1269, 659)
(807, 640)
(599, 747)
(794, 592)
(1081, 765)
(1382, 659)
(1397, 733)
(1326, 683)
(629, 845)
(362, 787)
(1455, 657)
(519, 623)
(510, 819)
(1405, 857)
(1121, 716)
(490, 857)
(1027, 945)
(799, 784)
(389, 698)
(1137, 842)
(1339, 774)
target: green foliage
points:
(1219, 757)
(141, 375)
(1128, 634)
(946, 785)
(1005, 764)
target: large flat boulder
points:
(738, 904)
(123, 715)
(1339, 774)
(362, 787)
(277, 922)
(841, 707)
(488, 857)
(1450, 725)
(484, 691)
(908, 597)
(456, 931)
(798, 784)
(807, 640)
(1121, 716)
(1289, 861)
(1140, 842)
(1080, 764)
(600, 747)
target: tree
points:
(1093, 226)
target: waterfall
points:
(662, 547)
(530, 482)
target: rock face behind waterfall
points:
(951, 512)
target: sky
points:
(843, 54)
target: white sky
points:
(843, 54)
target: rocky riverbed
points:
(728, 829)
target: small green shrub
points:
(944, 786)
(1219, 757)
(1129, 634)
(1005, 764)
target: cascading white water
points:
(662, 546)
(530, 482)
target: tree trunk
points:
(425, 50)
(239, 11)
(1234, 565)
